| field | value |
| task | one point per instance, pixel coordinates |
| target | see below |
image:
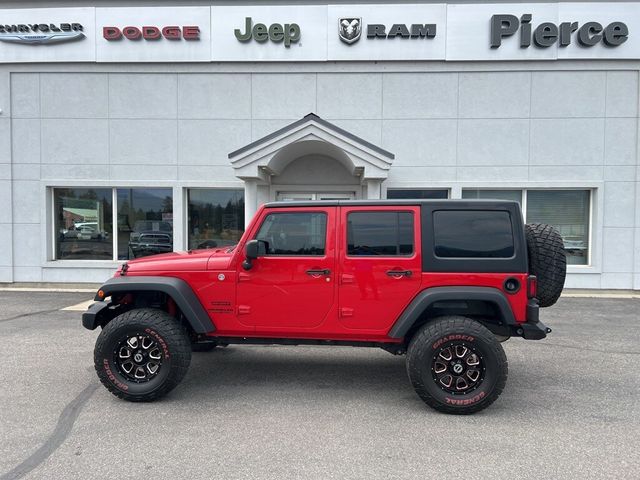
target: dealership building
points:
(133, 128)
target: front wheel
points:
(456, 365)
(142, 355)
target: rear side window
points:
(380, 233)
(472, 234)
(294, 233)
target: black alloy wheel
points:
(457, 368)
(138, 357)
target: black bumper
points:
(533, 331)
(91, 318)
(533, 328)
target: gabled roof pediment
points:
(311, 134)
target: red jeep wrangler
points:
(443, 282)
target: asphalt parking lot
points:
(571, 408)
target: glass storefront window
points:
(145, 222)
(568, 211)
(514, 195)
(215, 216)
(83, 223)
(413, 194)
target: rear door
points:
(380, 265)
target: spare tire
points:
(547, 261)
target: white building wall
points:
(517, 125)
(6, 213)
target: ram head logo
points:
(349, 29)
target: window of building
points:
(472, 234)
(145, 222)
(513, 195)
(83, 223)
(413, 194)
(380, 233)
(568, 211)
(294, 233)
(85, 229)
(215, 217)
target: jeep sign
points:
(276, 32)
(257, 33)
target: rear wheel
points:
(142, 355)
(456, 365)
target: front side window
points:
(294, 233)
(216, 217)
(568, 211)
(473, 234)
(145, 222)
(83, 223)
(380, 233)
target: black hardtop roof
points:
(458, 203)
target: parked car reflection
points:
(150, 237)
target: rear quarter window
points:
(473, 234)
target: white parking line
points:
(78, 307)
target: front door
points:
(291, 285)
(380, 265)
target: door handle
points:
(325, 271)
(399, 273)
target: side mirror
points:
(252, 250)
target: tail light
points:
(532, 286)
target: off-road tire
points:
(173, 343)
(547, 261)
(456, 330)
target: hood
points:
(193, 260)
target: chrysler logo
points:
(41, 33)
(350, 29)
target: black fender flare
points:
(176, 288)
(427, 297)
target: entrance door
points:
(304, 196)
(291, 284)
(380, 265)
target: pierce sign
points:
(547, 33)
